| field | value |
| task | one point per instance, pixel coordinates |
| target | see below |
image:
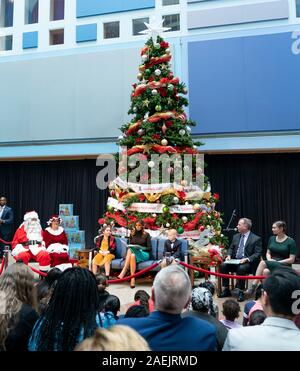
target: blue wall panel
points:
(30, 40)
(244, 84)
(87, 8)
(86, 32)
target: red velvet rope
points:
(2, 265)
(221, 274)
(136, 274)
(38, 272)
(5, 242)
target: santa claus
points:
(28, 242)
(56, 241)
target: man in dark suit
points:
(247, 247)
(6, 223)
(165, 329)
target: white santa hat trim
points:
(30, 215)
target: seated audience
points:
(172, 249)
(112, 304)
(281, 252)
(106, 244)
(211, 287)
(257, 318)
(141, 297)
(18, 305)
(164, 329)
(251, 304)
(231, 310)
(71, 315)
(202, 307)
(102, 285)
(116, 338)
(279, 331)
(45, 288)
(136, 311)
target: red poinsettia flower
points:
(132, 218)
(101, 221)
(216, 196)
(149, 220)
(164, 44)
(142, 198)
(138, 140)
(164, 80)
(163, 92)
(175, 216)
(155, 136)
(168, 123)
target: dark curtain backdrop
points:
(43, 185)
(262, 187)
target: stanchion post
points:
(6, 254)
(90, 260)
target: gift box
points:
(66, 209)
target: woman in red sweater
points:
(56, 241)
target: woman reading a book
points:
(138, 250)
(107, 247)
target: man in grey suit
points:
(281, 304)
(6, 223)
(246, 247)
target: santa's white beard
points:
(33, 230)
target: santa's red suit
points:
(28, 242)
(56, 242)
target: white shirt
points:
(246, 235)
(1, 210)
(276, 334)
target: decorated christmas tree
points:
(157, 151)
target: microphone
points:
(233, 215)
(230, 229)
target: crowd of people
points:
(72, 308)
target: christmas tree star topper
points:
(154, 28)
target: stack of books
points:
(76, 237)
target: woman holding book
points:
(106, 244)
(138, 250)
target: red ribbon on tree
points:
(157, 60)
(134, 127)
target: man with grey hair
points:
(246, 250)
(165, 329)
